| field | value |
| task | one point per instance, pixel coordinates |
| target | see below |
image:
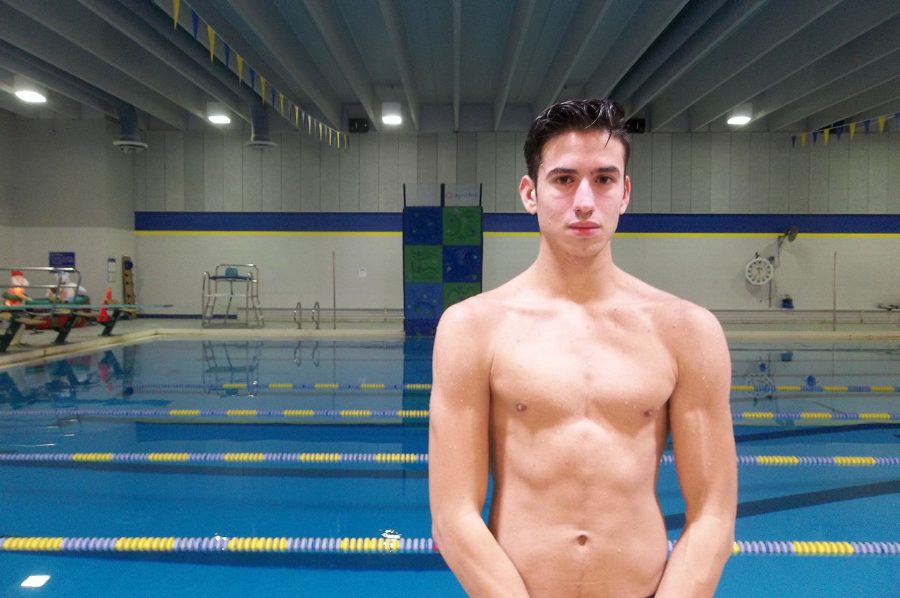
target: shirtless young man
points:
(565, 381)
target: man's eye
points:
(564, 180)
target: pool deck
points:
(37, 346)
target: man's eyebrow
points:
(598, 170)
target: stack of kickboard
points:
(442, 262)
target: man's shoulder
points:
(676, 313)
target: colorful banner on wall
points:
(334, 137)
(848, 128)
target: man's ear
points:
(626, 196)
(528, 194)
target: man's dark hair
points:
(574, 115)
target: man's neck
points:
(581, 280)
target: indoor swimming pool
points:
(270, 468)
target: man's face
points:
(581, 190)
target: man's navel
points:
(521, 407)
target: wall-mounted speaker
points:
(636, 125)
(359, 125)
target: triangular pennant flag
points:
(825, 135)
(839, 130)
(252, 78)
(852, 130)
(240, 66)
(296, 116)
(195, 22)
(320, 131)
(815, 137)
(897, 119)
(176, 8)
(793, 141)
(262, 88)
(211, 36)
(308, 124)
(866, 124)
(272, 99)
(802, 139)
(281, 103)
(227, 55)
(881, 122)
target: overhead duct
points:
(129, 137)
(259, 127)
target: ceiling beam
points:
(697, 47)
(397, 36)
(57, 104)
(20, 31)
(885, 93)
(334, 31)
(688, 23)
(586, 19)
(645, 26)
(291, 65)
(169, 47)
(23, 63)
(514, 44)
(822, 37)
(849, 85)
(877, 45)
(457, 59)
(122, 53)
(767, 27)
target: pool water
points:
(203, 440)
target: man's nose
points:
(584, 198)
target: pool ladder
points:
(314, 315)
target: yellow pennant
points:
(308, 124)
(802, 139)
(881, 121)
(176, 8)
(240, 65)
(320, 131)
(262, 88)
(211, 36)
(825, 135)
(281, 103)
(852, 130)
(296, 116)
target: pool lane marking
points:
(384, 545)
(264, 414)
(391, 458)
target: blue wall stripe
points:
(516, 223)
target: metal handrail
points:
(315, 314)
(298, 315)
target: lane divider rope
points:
(358, 545)
(388, 458)
(756, 416)
(758, 388)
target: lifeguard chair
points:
(233, 285)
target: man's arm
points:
(703, 442)
(458, 449)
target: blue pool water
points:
(232, 469)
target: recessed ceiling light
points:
(30, 96)
(390, 113)
(219, 119)
(738, 120)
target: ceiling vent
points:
(259, 128)
(129, 140)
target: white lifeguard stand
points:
(233, 285)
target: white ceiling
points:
(462, 64)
